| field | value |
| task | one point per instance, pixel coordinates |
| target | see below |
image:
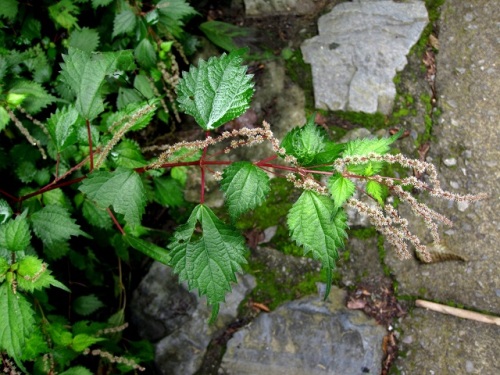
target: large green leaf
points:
(9, 9)
(84, 73)
(208, 262)
(217, 91)
(168, 191)
(319, 227)
(124, 22)
(122, 189)
(84, 39)
(245, 185)
(17, 322)
(53, 225)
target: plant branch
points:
(461, 313)
(91, 152)
(115, 221)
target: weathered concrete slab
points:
(360, 47)
(307, 336)
(466, 150)
(277, 7)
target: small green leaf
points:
(246, 187)
(145, 54)
(309, 144)
(171, 13)
(5, 211)
(124, 22)
(84, 39)
(15, 234)
(340, 188)
(168, 192)
(35, 95)
(16, 324)
(35, 346)
(4, 118)
(86, 305)
(122, 189)
(100, 3)
(64, 13)
(222, 34)
(208, 262)
(377, 191)
(77, 370)
(217, 91)
(151, 250)
(4, 267)
(142, 84)
(128, 154)
(62, 127)
(53, 224)
(319, 227)
(83, 341)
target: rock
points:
(278, 7)
(164, 310)
(360, 47)
(307, 336)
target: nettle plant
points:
(108, 182)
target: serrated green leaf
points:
(246, 187)
(62, 127)
(341, 188)
(56, 250)
(84, 39)
(4, 118)
(217, 91)
(141, 112)
(168, 192)
(122, 189)
(15, 234)
(56, 197)
(35, 346)
(36, 97)
(96, 216)
(207, 262)
(306, 142)
(319, 227)
(53, 224)
(5, 211)
(377, 191)
(4, 267)
(34, 275)
(171, 15)
(222, 34)
(362, 147)
(151, 250)
(86, 305)
(83, 341)
(84, 73)
(64, 13)
(100, 3)
(77, 370)
(128, 154)
(124, 22)
(16, 324)
(145, 54)
(9, 9)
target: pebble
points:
(450, 162)
(462, 206)
(454, 184)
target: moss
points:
(370, 121)
(363, 233)
(300, 73)
(273, 293)
(381, 256)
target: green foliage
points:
(217, 91)
(207, 262)
(106, 189)
(222, 34)
(341, 188)
(319, 227)
(246, 187)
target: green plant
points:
(78, 171)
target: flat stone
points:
(164, 310)
(360, 47)
(278, 7)
(307, 336)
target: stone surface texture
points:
(276, 7)
(466, 149)
(167, 312)
(360, 47)
(307, 336)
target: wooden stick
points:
(461, 313)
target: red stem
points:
(117, 224)
(91, 152)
